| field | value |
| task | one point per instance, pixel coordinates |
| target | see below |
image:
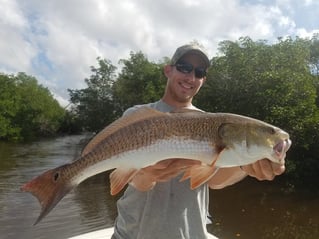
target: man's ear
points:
(168, 70)
(204, 80)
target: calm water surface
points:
(248, 210)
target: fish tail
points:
(49, 188)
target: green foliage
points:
(105, 97)
(70, 123)
(8, 107)
(314, 61)
(314, 54)
(273, 83)
(27, 109)
(140, 81)
(93, 106)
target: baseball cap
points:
(190, 48)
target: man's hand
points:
(162, 171)
(264, 169)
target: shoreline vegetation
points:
(277, 83)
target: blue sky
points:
(57, 41)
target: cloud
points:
(57, 41)
(15, 49)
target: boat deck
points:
(99, 234)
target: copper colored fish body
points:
(147, 136)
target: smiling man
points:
(156, 205)
(185, 76)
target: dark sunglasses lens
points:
(200, 72)
(184, 67)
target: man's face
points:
(183, 86)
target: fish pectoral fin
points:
(200, 174)
(186, 175)
(120, 177)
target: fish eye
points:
(270, 130)
(56, 176)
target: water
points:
(248, 210)
(86, 208)
(265, 210)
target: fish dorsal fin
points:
(141, 113)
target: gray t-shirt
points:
(171, 210)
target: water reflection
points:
(84, 209)
(246, 210)
(252, 209)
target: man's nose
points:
(191, 76)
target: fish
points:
(147, 136)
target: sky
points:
(57, 41)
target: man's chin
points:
(184, 99)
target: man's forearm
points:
(262, 169)
(225, 177)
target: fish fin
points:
(120, 177)
(49, 188)
(186, 175)
(140, 114)
(200, 174)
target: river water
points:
(248, 210)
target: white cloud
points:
(15, 48)
(57, 41)
(308, 2)
(303, 33)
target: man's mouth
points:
(186, 86)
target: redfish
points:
(148, 136)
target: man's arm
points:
(262, 170)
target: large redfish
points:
(148, 136)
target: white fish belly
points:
(166, 149)
(151, 154)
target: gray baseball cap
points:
(190, 48)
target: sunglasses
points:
(187, 68)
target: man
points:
(156, 204)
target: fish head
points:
(250, 140)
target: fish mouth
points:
(281, 148)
